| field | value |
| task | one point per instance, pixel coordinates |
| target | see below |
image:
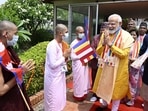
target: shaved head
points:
(7, 26)
(60, 28)
(79, 28)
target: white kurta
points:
(81, 80)
(54, 78)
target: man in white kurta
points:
(54, 78)
(81, 81)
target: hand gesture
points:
(107, 40)
(106, 36)
(67, 53)
(28, 65)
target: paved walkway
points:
(71, 104)
(39, 106)
(87, 105)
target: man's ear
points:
(120, 23)
(4, 33)
(60, 33)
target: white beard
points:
(113, 31)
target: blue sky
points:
(2, 1)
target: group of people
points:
(113, 79)
(117, 59)
(57, 54)
(136, 75)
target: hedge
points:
(37, 53)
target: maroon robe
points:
(12, 100)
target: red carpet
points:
(122, 107)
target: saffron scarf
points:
(134, 52)
(117, 42)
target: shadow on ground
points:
(73, 105)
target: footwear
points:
(101, 108)
(103, 103)
(93, 99)
(142, 105)
(130, 103)
(80, 99)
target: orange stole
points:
(136, 48)
(117, 43)
(64, 46)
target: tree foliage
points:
(34, 13)
(29, 16)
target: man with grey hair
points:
(12, 98)
(112, 79)
(57, 53)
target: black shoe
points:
(101, 108)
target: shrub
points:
(36, 53)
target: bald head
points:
(79, 32)
(60, 28)
(79, 29)
(7, 26)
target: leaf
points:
(24, 37)
(24, 32)
(22, 22)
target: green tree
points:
(31, 14)
(34, 13)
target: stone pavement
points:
(39, 106)
(86, 105)
(71, 104)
